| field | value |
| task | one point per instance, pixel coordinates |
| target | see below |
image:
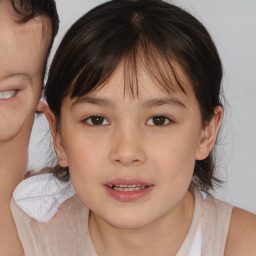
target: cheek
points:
(84, 165)
(84, 157)
(82, 152)
(14, 119)
(19, 111)
(9, 126)
(175, 167)
(175, 159)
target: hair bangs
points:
(161, 67)
(140, 55)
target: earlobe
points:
(209, 134)
(41, 106)
(58, 145)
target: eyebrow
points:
(95, 101)
(149, 103)
(164, 101)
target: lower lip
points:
(128, 196)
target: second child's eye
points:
(159, 120)
(96, 120)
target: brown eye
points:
(159, 120)
(96, 120)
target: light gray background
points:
(232, 24)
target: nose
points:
(127, 148)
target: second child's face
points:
(23, 50)
(131, 160)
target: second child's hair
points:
(150, 33)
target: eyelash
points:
(96, 116)
(164, 121)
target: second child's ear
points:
(58, 145)
(209, 134)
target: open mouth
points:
(125, 190)
(8, 94)
(128, 187)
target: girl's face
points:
(22, 55)
(131, 160)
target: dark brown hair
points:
(152, 33)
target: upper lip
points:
(123, 181)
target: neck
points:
(163, 237)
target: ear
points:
(209, 134)
(58, 145)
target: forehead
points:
(23, 47)
(142, 81)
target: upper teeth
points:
(7, 94)
(128, 187)
(125, 186)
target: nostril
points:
(127, 161)
(127, 154)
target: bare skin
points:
(126, 146)
(242, 234)
(22, 55)
(118, 229)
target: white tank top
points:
(42, 196)
(196, 246)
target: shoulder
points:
(20, 217)
(40, 196)
(215, 225)
(67, 225)
(241, 238)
